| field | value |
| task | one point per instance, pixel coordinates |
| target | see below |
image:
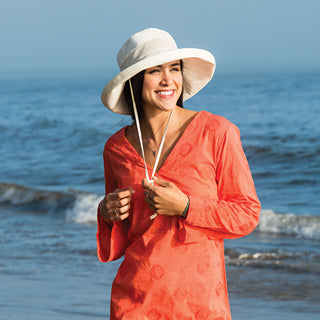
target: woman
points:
(177, 184)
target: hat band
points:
(147, 49)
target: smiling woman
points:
(177, 183)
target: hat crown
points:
(144, 44)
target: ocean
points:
(53, 128)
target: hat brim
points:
(198, 69)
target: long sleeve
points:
(236, 211)
(111, 242)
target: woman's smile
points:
(166, 94)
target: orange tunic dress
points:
(174, 268)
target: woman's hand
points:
(164, 197)
(115, 205)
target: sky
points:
(243, 35)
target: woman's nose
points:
(166, 78)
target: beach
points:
(53, 128)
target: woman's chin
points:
(156, 107)
(167, 106)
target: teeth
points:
(165, 93)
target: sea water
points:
(53, 128)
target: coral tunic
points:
(174, 268)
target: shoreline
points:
(55, 298)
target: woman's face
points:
(162, 86)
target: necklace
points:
(154, 152)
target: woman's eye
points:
(176, 69)
(153, 71)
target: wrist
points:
(103, 212)
(185, 211)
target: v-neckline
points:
(170, 153)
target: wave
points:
(41, 199)
(81, 207)
(84, 209)
(78, 206)
(305, 226)
(294, 262)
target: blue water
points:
(53, 128)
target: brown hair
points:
(137, 84)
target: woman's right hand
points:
(115, 205)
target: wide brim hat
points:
(152, 47)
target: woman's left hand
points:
(164, 197)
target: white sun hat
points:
(152, 47)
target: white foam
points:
(84, 209)
(287, 223)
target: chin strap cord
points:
(141, 142)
